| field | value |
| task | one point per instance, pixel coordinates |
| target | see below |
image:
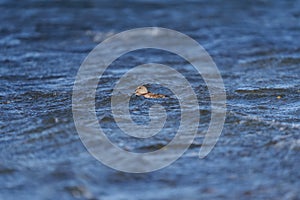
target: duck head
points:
(141, 90)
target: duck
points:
(143, 91)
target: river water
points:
(256, 46)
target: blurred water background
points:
(256, 46)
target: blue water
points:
(256, 47)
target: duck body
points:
(154, 96)
(143, 91)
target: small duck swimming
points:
(143, 91)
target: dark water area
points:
(256, 46)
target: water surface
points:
(256, 47)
